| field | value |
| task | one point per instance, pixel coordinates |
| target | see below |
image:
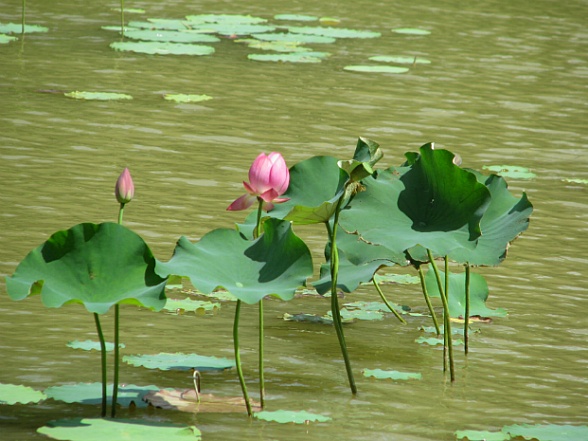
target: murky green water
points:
(508, 84)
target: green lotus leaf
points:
(403, 279)
(481, 435)
(190, 305)
(98, 96)
(290, 416)
(547, 432)
(576, 181)
(276, 263)
(376, 69)
(225, 18)
(296, 57)
(171, 36)
(433, 341)
(186, 98)
(89, 345)
(17, 394)
(86, 429)
(433, 330)
(230, 29)
(359, 314)
(98, 265)
(429, 202)
(91, 393)
(411, 31)
(375, 306)
(6, 39)
(117, 28)
(278, 46)
(179, 361)
(159, 24)
(399, 59)
(162, 48)
(333, 32)
(511, 171)
(16, 28)
(393, 375)
(293, 38)
(295, 17)
(478, 294)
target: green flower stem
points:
(386, 302)
(103, 360)
(238, 358)
(116, 337)
(448, 322)
(122, 18)
(334, 267)
(257, 233)
(428, 300)
(466, 325)
(23, 15)
(447, 346)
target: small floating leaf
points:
(190, 305)
(179, 361)
(360, 314)
(238, 28)
(91, 393)
(411, 31)
(481, 435)
(399, 59)
(436, 341)
(226, 18)
(308, 318)
(162, 48)
(511, 171)
(16, 28)
(576, 181)
(6, 38)
(296, 57)
(182, 98)
(278, 46)
(158, 24)
(295, 17)
(290, 416)
(547, 432)
(393, 375)
(329, 21)
(89, 345)
(94, 429)
(13, 394)
(98, 96)
(376, 69)
(333, 32)
(293, 38)
(171, 36)
(403, 279)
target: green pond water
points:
(507, 84)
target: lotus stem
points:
(116, 359)
(256, 234)
(398, 316)
(238, 358)
(103, 362)
(448, 322)
(122, 18)
(428, 300)
(334, 267)
(24, 5)
(466, 325)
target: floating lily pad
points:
(511, 171)
(179, 361)
(98, 96)
(576, 181)
(226, 18)
(329, 21)
(158, 24)
(376, 306)
(117, 28)
(546, 432)
(432, 341)
(481, 435)
(295, 17)
(16, 28)
(314, 318)
(230, 29)
(360, 314)
(188, 401)
(402, 279)
(296, 57)
(294, 38)
(400, 59)
(17, 394)
(290, 416)
(393, 375)
(91, 393)
(411, 31)
(87, 429)
(162, 48)
(376, 69)
(6, 39)
(197, 306)
(183, 98)
(89, 345)
(171, 36)
(278, 46)
(333, 32)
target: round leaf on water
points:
(179, 361)
(237, 28)
(87, 429)
(399, 59)
(16, 28)
(481, 435)
(333, 32)
(392, 375)
(158, 24)
(294, 38)
(511, 171)
(411, 31)
(98, 96)
(6, 39)
(547, 432)
(297, 57)
(98, 265)
(359, 314)
(17, 394)
(276, 263)
(91, 393)
(291, 416)
(278, 46)
(433, 341)
(162, 48)
(190, 305)
(225, 18)
(171, 36)
(89, 345)
(295, 17)
(376, 69)
(186, 98)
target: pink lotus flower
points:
(124, 189)
(269, 178)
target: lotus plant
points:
(269, 178)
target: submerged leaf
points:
(17, 394)
(179, 361)
(290, 416)
(511, 171)
(188, 401)
(393, 375)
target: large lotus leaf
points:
(100, 429)
(429, 202)
(180, 362)
(393, 375)
(546, 432)
(291, 416)
(277, 262)
(478, 294)
(91, 393)
(98, 265)
(162, 48)
(15, 394)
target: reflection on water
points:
(507, 85)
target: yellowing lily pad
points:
(411, 31)
(392, 375)
(183, 98)
(511, 171)
(89, 345)
(98, 96)
(188, 401)
(400, 59)
(179, 361)
(17, 394)
(162, 48)
(290, 416)
(376, 69)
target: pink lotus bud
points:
(124, 189)
(269, 178)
